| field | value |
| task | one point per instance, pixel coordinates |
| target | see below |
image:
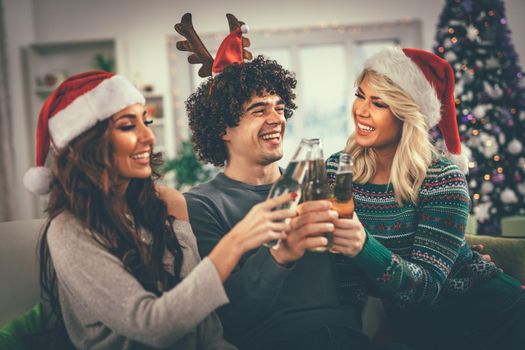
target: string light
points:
(451, 30)
(471, 164)
(457, 101)
(497, 158)
(499, 170)
(476, 196)
(475, 132)
(486, 177)
(441, 49)
(454, 40)
(491, 13)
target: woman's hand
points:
(349, 236)
(262, 224)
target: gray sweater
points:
(104, 307)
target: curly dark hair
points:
(218, 102)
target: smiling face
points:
(375, 124)
(258, 139)
(132, 141)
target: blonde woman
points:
(407, 239)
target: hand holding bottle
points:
(307, 231)
(260, 225)
(349, 236)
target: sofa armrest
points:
(507, 253)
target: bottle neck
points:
(346, 164)
(317, 171)
(295, 171)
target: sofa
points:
(19, 269)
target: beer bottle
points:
(317, 185)
(343, 197)
(291, 181)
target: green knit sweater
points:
(415, 253)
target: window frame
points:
(406, 33)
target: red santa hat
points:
(230, 51)
(429, 80)
(79, 103)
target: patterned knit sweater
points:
(414, 254)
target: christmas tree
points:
(473, 36)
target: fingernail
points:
(324, 241)
(330, 226)
(293, 195)
(333, 214)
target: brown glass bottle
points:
(317, 185)
(342, 197)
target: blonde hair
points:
(414, 152)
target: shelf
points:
(152, 96)
(44, 91)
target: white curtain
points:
(6, 142)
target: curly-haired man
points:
(217, 106)
(279, 299)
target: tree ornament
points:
(450, 56)
(487, 187)
(481, 211)
(515, 146)
(472, 33)
(508, 196)
(481, 110)
(493, 91)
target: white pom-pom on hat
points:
(231, 50)
(38, 180)
(461, 160)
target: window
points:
(326, 61)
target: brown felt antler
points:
(194, 44)
(234, 23)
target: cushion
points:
(20, 289)
(507, 253)
(13, 333)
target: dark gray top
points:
(104, 307)
(268, 301)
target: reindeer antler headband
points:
(232, 49)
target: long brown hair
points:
(84, 176)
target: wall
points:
(140, 28)
(19, 24)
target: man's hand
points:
(306, 231)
